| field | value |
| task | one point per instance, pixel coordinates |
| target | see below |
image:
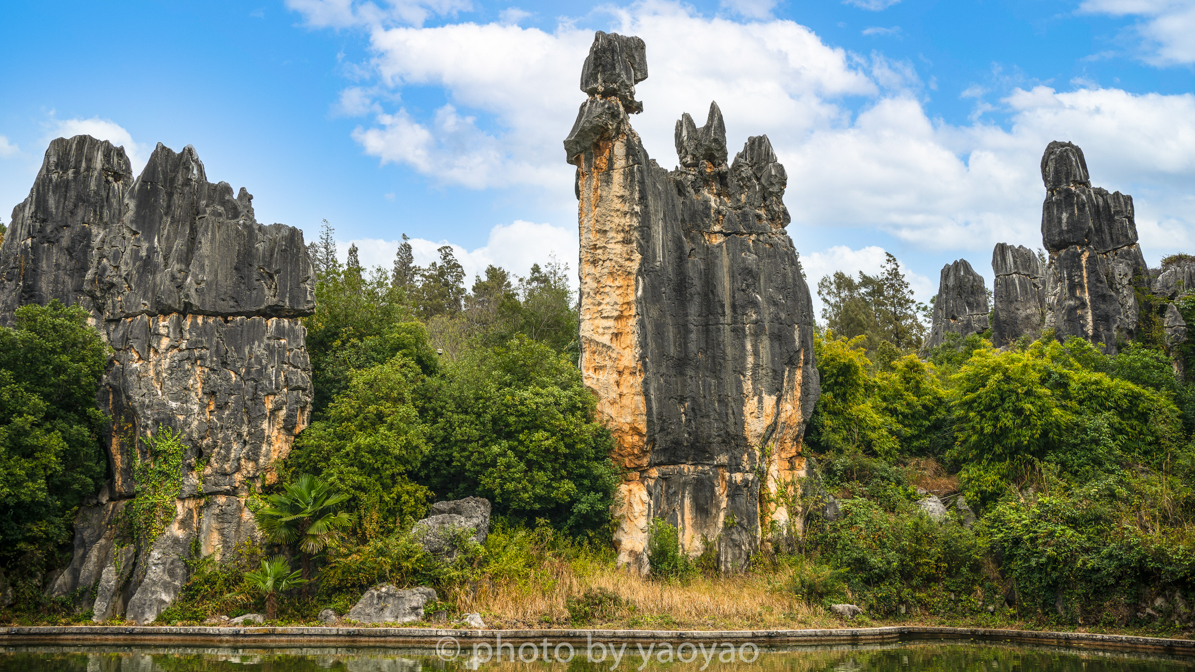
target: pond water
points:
(903, 657)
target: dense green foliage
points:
(425, 391)
(1080, 466)
(51, 455)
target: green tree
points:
(351, 307)
(370, 444)
(404, 272)
(515, 424)
(51, 450)
(303, 515)
(441, 288)
(323, 251)
(273, 577)
(880, 307)
(1050, 403)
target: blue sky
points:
(910, 126)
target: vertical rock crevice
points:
(696, 322)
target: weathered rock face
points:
(387, 604)
(962, 304)
(696, 322)
(1095, 266)
(1018, 294)
(198, 302)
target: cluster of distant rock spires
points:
(1090, 285)
(696, 326)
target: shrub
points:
(889, 559)
(595, 604)
(664, 554)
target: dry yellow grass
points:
(743, 601)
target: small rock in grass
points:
(474, 621)
(247, 618)
(846, 610)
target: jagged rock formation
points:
(1018, 294)
(962, 304)
(696, 322)
(1096, 267)
(198, 302)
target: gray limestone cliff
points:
(1018, 294)
(961, 306)
(1095, 267)
(696, 322)
(199, 304)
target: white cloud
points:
(7, 148)
(513, 95)
(868, 260)
(349, 13)
(1166, 27)
(750, 9)
(877, 30)
(103, 129)
(766, 76)
(513, 15)
(872, 5)
(515, 247)
(356, 101)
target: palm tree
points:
(303, 514)
(274, 577)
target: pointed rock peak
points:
(1062, 165)
(616, 63)
(757, 153)
(708, 143)
(165, 164)
(84, 153)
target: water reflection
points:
(904, 657)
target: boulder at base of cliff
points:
(387, 604)
(440, 533)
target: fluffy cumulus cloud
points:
(1166, 27)
(103, 129)
(515, 247)
(7, 148)
(851, 129)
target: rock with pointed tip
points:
(696, 323)
(961, 306)
(708, 143)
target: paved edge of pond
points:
(368, 636)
